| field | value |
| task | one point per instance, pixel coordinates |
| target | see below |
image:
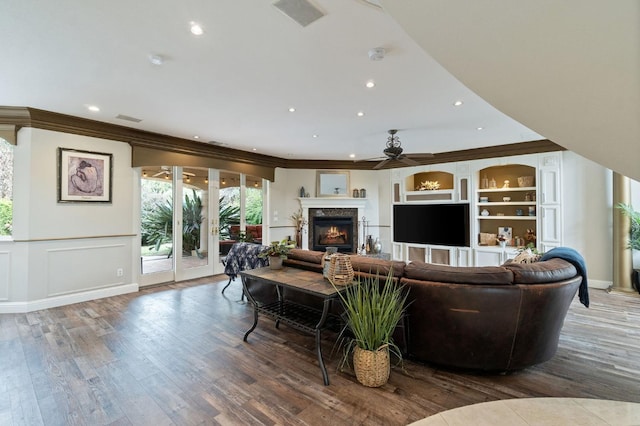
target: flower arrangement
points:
(428, 185)
(298, 220)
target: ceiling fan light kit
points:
(393, 151)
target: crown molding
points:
(46, 120)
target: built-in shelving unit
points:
(529, 208)
(417, 192)
(505, 207)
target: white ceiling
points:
(568, 69)
(235, 83)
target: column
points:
(622, 256)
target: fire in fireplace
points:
(333, 232)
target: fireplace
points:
(333, 227)
(333, 232)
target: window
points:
(6, 188)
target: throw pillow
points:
(526, 256)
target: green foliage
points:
(6, 170)
(253, 206)
(191, 221)
(157, 223)
(634, 217)
(6, 216)
(278, 248)
(229, 214)
(373, 312)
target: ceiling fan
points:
(393, 152)
(166, 171)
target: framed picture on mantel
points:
(330, 183)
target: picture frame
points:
(84, 176)
(331, 183)
(507, 233)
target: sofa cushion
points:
(548, 271)
(373, 265)
(488, 275)
(310, 256)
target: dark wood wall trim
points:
(32, 117)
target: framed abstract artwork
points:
(84, 176)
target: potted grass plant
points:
(373, 310)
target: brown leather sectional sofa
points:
(497, 318)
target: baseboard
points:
(600, 284)
(67, 299)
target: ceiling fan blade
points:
(408, 161)
(370, 159)
(188, 174)
(421, 155)
(381, 164)
(160, 173)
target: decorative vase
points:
(377, 246)
(299, 238)
(275, 262)
(372, 367)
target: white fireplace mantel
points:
(329, 203)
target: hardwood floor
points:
(174, 354)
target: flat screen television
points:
(437, 224)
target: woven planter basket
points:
(372, 367)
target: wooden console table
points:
(301, 317)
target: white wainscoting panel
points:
(5, 274)
(79, 269)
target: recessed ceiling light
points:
(360, 114)
(156, 59)
(352, 156)
(458, 103)
(479, 128)
(255, 149)
(93, 108)
(370, 84)
(315, 136)
(196, 137)
(196, 29)
(292, 109)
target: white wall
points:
(285, 190)
(66, 252)
(588, 215)
(587, 208)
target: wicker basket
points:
(372, 367)
(340, 269)
(487, 239)
(525, 181)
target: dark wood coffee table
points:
(301, 317)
